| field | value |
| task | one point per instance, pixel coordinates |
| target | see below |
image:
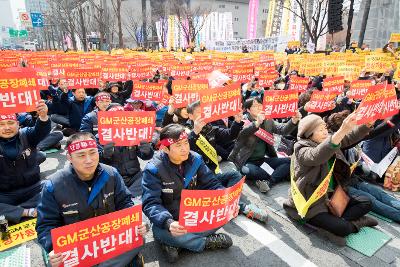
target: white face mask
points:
(280, 86)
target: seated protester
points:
(251, 152)
(68, 197)
(20, 184)
(314, 155)
(59, 114)
(90, 121)
(173, 115)
(125, 159)
(213, 134)
(77, 107)
(118, 94)
(382, 203)
(52, 140)
(171, 170)
(161, 107)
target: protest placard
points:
(98, 239)
(280, 104)
(187, 91)
(147, 91)
(219, 103)
(125, 128)
(203, 210)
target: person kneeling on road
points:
(171, 170)
(82, 190)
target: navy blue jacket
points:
(77, 109)
(18, 157)
(89, 123)
(66, 199)
(162, 184)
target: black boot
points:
(172, 253)
(364, 221)
(218, 241)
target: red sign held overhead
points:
(280, 104)
(321, 101)
(187, 91)
(359, 88)
(126, 128)
(299, 83)
(220, 103)
(334, 85)
(147, 91)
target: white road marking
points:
(277, 246)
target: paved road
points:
(278, 243)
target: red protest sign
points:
(219, 103)
(203, 210)
(260, 67)
(334, 85)
(126, 128)
(217, 79)
(18, 100)
(359, 88)
(98, 239)
(280, 104)
(115, 74)
(181, 71)
(242, 74)
(142, 72)
(299, 83)
(147, 91)
(11, 80)
(267, 79)
(187, 91)
(379, 103)
(321, 101)
(82, 78)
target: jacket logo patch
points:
(167, 190)
(171, 183)
(69, 205)
(70, 212)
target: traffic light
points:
(335, 9)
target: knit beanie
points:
(307, 126)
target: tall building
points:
(36, 6)
(6, 21)
(383, 19)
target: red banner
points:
(98, 239)
(181, 71)
(115, 74)
(359, 88)
(143, 72)
(27, 80)
(267, 79)
(187, 91)
(18, 100)
(242, 74)
(263, 134)
(203, 210)
(334, 85)
(379, 103)
(280, 104)
(261, 67)
(147, 91)
(321, 101)
(219, 103)
(126, 128)
(299, 83)
(82, 78)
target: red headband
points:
(116, 108)
(79, 145)
(9, 117)
(103, 97)
(169, 141)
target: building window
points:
(236, 19)
(265, 10)
(221, 6)
(236, 7)
(235, 33)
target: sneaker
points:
(255, 213)
(263, 186)
(218, 241)
(172, 253)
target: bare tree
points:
(134, 25)
(117, 10)
(188, 18)
(316, 24)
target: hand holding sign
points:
(55, 260)
(42, 109)
(297, 117)
(176, 229)
(199, 123)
